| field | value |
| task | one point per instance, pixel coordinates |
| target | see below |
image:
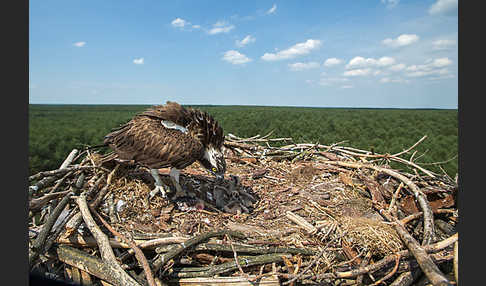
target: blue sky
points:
(370, 53)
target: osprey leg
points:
(159, 185)
(174, 177)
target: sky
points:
(335, 53)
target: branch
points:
(106, 251)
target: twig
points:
(313, 261)
(178, 249)
(395, 196)
(69, 159)
(210, 271)
(106, 251)
(138, 253)
(429, 231)
(394, 270)
(38, 244)
(236, 257)
(426, 264)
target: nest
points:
(299, 213)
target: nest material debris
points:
(300, 213)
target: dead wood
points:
(106, 251)
(38, 244)
(177, 249)
(426, 264)
(313, 219)
(93, 265)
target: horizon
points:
(247, 105)
(388, 54)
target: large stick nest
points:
(324, 209)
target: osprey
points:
(170, 136)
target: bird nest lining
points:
(297, 200)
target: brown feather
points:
(146, 141)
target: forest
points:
(54, 130)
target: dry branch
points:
(106, 251)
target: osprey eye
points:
(214, 169)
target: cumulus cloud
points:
(247, 40)
(303, 66)
(138, 61)
(272, 10)
(360, 62)
(294, 51)
(357, 72)
(445, 7)
(183, 24)
(179, 23)
(394, 80)
(402, 40)
(235, 57)
(221, 27)
(431, 67)
(332, 62)
(398, 67)
(332, 80)
(443, 44)
(79, 44)
(390, 3)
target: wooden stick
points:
(425, 262)
(178, 249)
(210, 271)
(429, 229)
(38, 244)
(92, 265)
(228, 281)
(69, 159)
(106, 251)
(301, 222)
(138, 253)
(395, 196)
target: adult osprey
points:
(170, 136)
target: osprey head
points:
(213, 160)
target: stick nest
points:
(296, 200)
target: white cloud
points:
(347, 86)
(357, 72)
(402, 40)
(296, 50)
(390, 3)
(221, 27)
(273, 9)
(79, 44)
(360, 62)
(421, 73)
(196, 26)
(138, 61)
(431, 67)
(447, 7)
(235, 57)
(332, 62)
(248, 39)
(442, 62)
(332, 80)
(398, 67)
(443, 44)
(394, 80)
(303, 66)
(179, 23)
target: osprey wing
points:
(155, 143)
